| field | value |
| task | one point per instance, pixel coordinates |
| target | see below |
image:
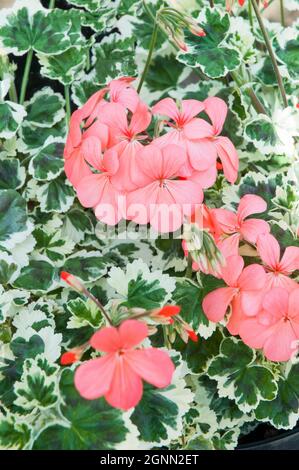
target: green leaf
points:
(11, 368)
(8, 268)
(159, 414)
(289, 55)
(45, 108)
(83, 313)
(55, 196)
(14, 223)
(90, 5)
(48, 163)
(66, 67)
(88, 266)
(189, 297)
(38, 276)
(38, 387)
(163, 73)
(14, 434)
(32, 138)
(77, 224)
(261, 132)
(12, 174)
(211, 53)
(52, 244)
(239, 377)
(44, 31)
(283, 411)
(197, 355)
(114, 58)
(89, 425)
(11, 117)
(139, 287)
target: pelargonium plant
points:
(149, 223)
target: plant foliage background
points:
(214, 398)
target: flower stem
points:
(189, 270)
(52, 4)
(26, 76)
(258, 106)
(250, 16)
(211, 3)
(282, 17)
(271, 52)
(99, 305)
(149, 56)
(67, 103)
(13, 96)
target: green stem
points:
(26, 76)
(67, 103)
(52, 4)
(189, 270)
(282, 17)
(258, 106)
(271, 53)
(250, 15)
(13, 95)
(149, 56)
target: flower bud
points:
(72, 281)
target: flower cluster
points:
(118, 169)
(262, 299)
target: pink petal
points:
(276, 279)
(290, 260)
(93, 378)
(254, 333)
(231, 272)
(236, 316)
(205, 178)
(226, 219)
(152, 365)
(251, 229)
(132, 333)
(76, 168)
(111, 208)
(229, 158)
(191, 108)
(216, 303)
(216, 109)
(293, 310)
(281, 345)
(275, 302)
(174, 157)
(91, 103)
(126, 386)
(91, 149)
(250, 204)
(251, 302)
(90, 189)
(185, 193)
(111, 161)
(98, 130)
(229, 246)
(202, 154)
(268, 249)
(141, 119)
(253, 277)
(106, 339)
(198, 129)
(130, 173)
(166, 107)
(140, 201)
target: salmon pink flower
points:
(243, 294)
(119, 373)
(85, 141)
(98, 191)
(237, 226)
(161, 199)
(182, 118)
(278, 269)
(276, 328)
(127, 135)
(121, 91)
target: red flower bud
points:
(193, 336)
(169, 310)
(72, 281)
(68, 358)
